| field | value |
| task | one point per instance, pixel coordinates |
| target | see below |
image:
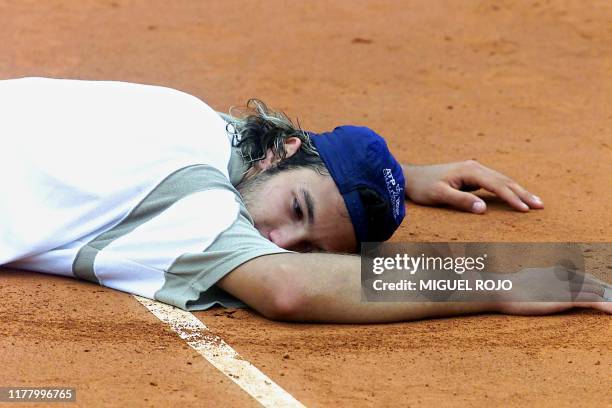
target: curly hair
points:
(257, 129)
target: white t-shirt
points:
(121, 184)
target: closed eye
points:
(297, 209)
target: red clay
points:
(524, 87)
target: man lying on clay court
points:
(148, 190)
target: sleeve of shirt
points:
(190, 281)
(174, 246)
(178, 257)
(186, 235)
(177, 253)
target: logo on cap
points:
(395, 192)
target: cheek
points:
(276, 202)
(340, 230)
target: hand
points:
(448, 184)
(537, 291)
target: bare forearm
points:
(330, 291)
(327, 288)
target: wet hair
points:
(257, 129)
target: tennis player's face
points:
(299, 210)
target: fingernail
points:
(478, 207)
(524, 206)
(537, 199)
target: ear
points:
(292, 145)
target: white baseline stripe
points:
(214, 349)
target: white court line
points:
(214, 349)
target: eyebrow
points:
(309, 206)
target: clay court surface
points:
(524, 87)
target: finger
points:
(607, 295)
(497, 184)
(603, 306)
(508, 196)
(587, 288)
(587, 297)
(592, 279)
(531, 200)
(462, 200)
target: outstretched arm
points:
(449, 184)
(327, 288)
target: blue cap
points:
(358, 157)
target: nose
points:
(290, 239)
